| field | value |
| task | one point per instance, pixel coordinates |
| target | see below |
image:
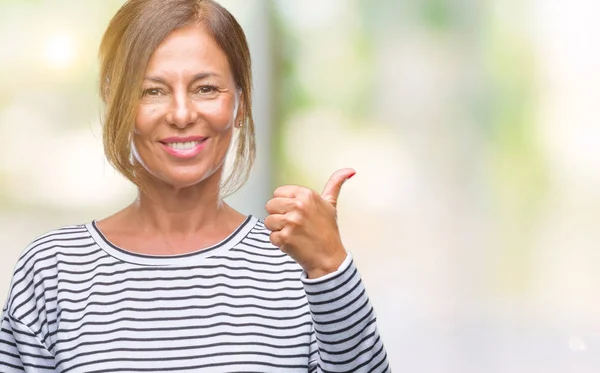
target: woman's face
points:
(188, 108)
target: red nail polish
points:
(349, 177)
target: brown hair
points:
(130, 39)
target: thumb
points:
(333, 187)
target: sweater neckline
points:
(171, 260)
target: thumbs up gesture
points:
(303, 224)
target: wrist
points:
(328, 266)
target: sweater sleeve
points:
(21, 350)
(345, 337)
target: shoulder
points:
(40, 257)
(53, 242)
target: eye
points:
(207, 89)
(152, 92)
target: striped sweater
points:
(78, 303)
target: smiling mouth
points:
(184, 148)
(183, 145)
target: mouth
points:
(184, 147)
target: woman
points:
(180, 281)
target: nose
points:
(182, 111)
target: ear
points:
(240, 108)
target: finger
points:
(278, 239)
(275, 222)
(333, 187)
(282, 239)
(288, 191)
(280, 205)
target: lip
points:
(183, 139)
(184, 153)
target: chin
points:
(181, 180)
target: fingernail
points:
(349, 177)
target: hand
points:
(304, 224)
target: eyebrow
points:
(196, 77)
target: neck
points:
(164, 209)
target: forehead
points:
(188, 50)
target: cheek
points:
(220, 114)
(147, 115)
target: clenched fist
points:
(304, 224)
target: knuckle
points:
(307, 193)
(300, 204)
(284, 236)
(312, 196)
(269, 222)
(274, 237)
(294, 220)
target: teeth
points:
(183, 145)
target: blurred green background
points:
(472, 124)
